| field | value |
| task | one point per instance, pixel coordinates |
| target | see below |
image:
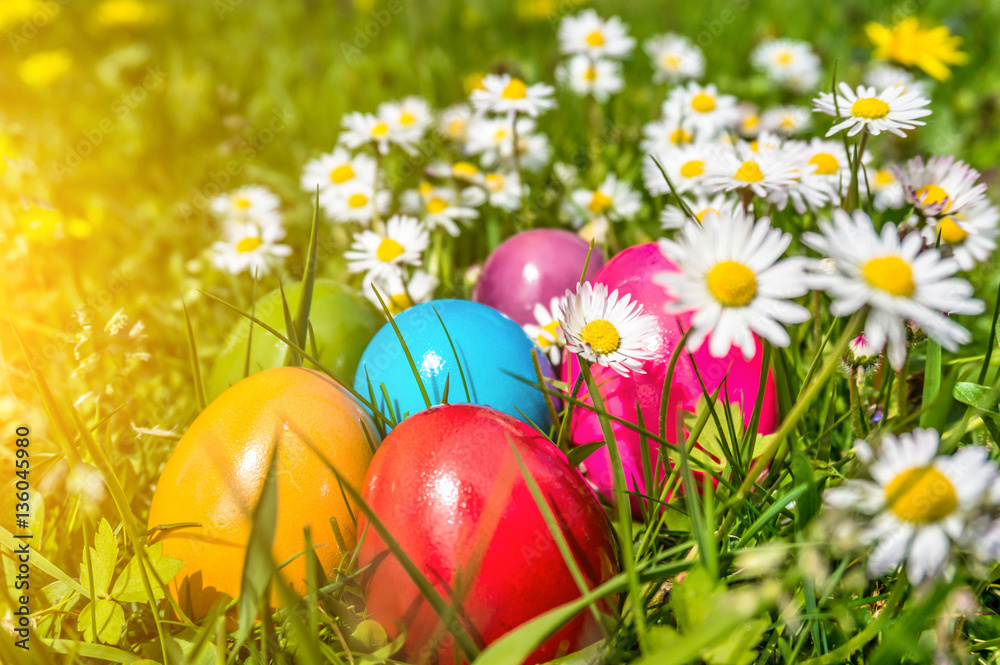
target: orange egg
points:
(215, 475)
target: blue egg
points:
(494, 351)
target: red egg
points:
(447, 486)
(631, 272)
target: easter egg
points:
(534, 267)
(215, 476)
(631, 272)
(493, 353)
(449, 490)
(341, 319)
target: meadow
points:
(749, 526)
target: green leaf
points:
(807, 506)
(693, 599)
(106, 653)
(103, 555)
(738, 649)
(129, 587)
(976, 395)
(932, 380)
(110, 621)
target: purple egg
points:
(533, 267)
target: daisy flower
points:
(465, 172)
(493, 140)
(400, 292)
(503, 190)
(730, 275)
(917, 502)
(666, 134)
(686, 168)
(886, 188)
(892, 110)
(897, 278)
(588, 34)
(355, 202)
(785, 120)
(545, 332)
(442, 207)
(382, 254)
(674, 217)
(249, 247)
(584, 76)
(742, 168)
(362, 129)
(930, 49)
(504, 94)
(613, 199)
(251, 203)
(708, 111)
(749, 123)
(675, 58)
(454, 122)
(971, 234)
(605, 329)
(407, 119)
(882, 76)
(335, 170)
(788, 62)
(830, 162)
(941, 185)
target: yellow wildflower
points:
(930, 49)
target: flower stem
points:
(860, 431)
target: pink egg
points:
(631, 273)
(534, 267)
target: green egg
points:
(341, 319)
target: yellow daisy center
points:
(890, 274)
(679, 136)
(732, 283)
(464, 170)
(951, 232)
(397, 303)
(884, 177)
(825, 163)
(494, 182)
(750, 122)
(243, 203)
(693, 169)
(701, 215)
(357, 200)
(749, 171)
(932, 195)
(602, 336)
(590, 74)
(670, 61)
(388, 250)
(595, 38)
(248, 244)
(703, 103)
(342, 173)
(784, 58)
(599, 202)
(515, 90)
(436, 204)
(380, 129)
(407, 118)
(456, 127)
(550, 328)
(869, 108)
(921, 495)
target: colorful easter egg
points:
(534, 267)
(493, 353)
(341, 319)
(448, 488)
(215, 476)
(631, 272)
